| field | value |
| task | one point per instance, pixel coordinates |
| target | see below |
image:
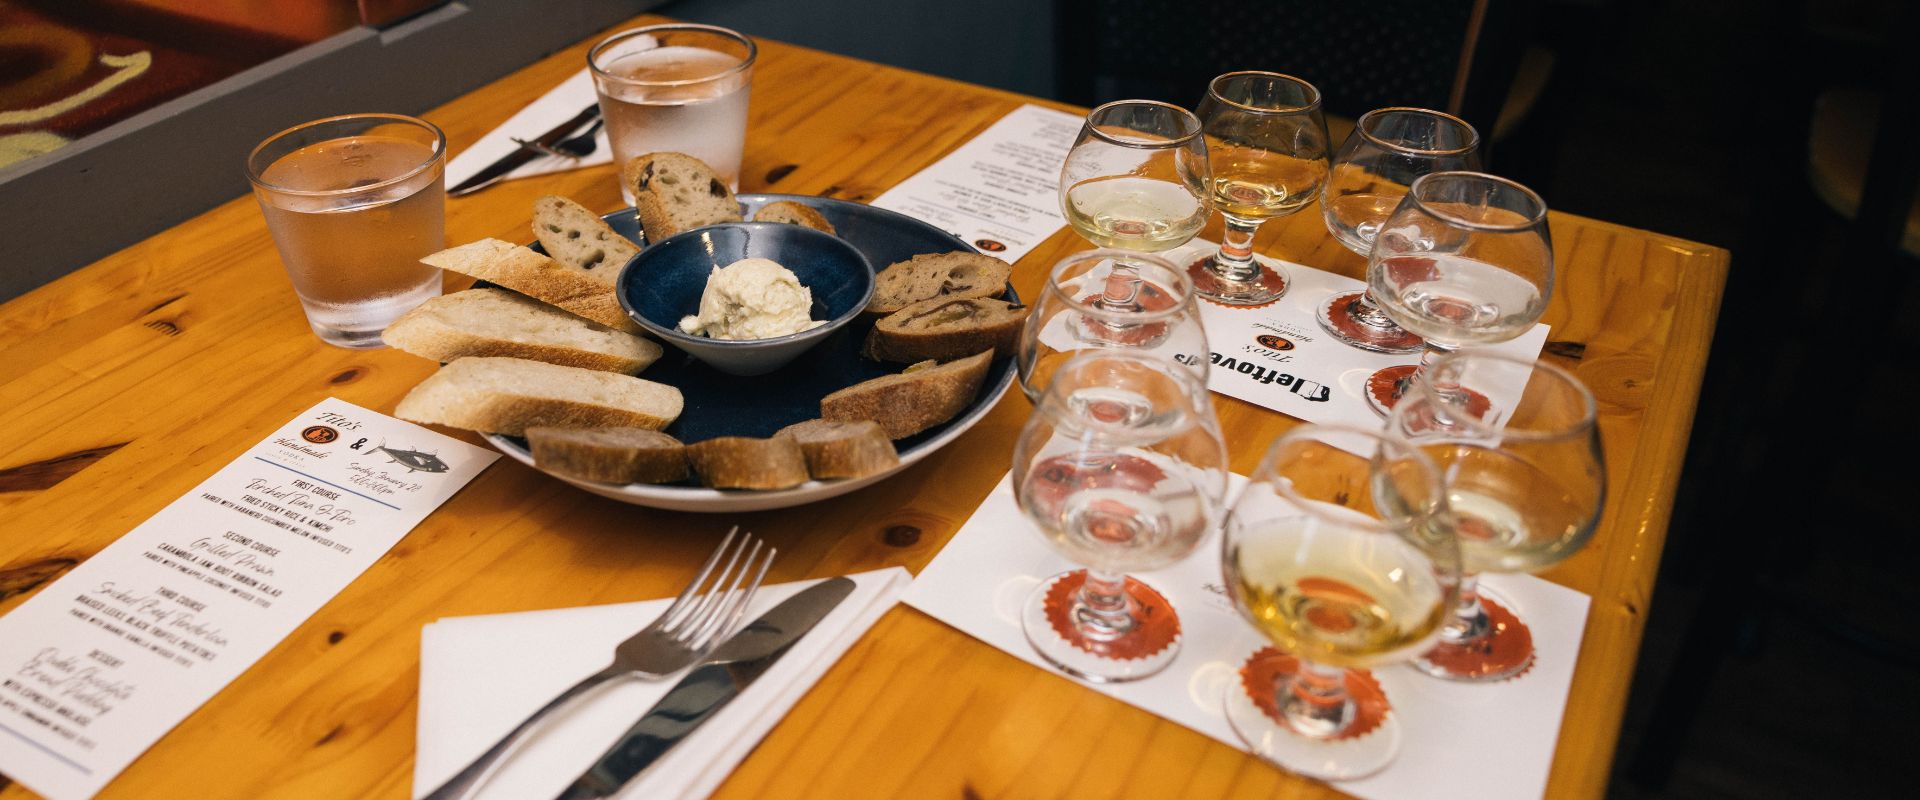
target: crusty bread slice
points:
(536, 276)
(793, 213)
(842, 449)
(931, 275)
(496, 322)
(510, 395)
(912, 401)
(737, 462)
(676, 192)
(578, 238)
(613, 455)
(944, 328)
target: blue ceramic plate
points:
(718, 404)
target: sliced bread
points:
(578, 238)
(737, 462)
(676, 192)
(912, 401)
(613, 455)
(842, 449)
(792, 213)
(496, 322)
(510, 395)
(931, 275)
(945, 328)
(538, 277)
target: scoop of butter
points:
(753, 298)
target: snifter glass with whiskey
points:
(1267, 145)
(1110, 299)
(1339, 580)
(1121, 468)
(1524, 479)
(1136, 177)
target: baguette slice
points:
(793, 213)
(945, 328)
(913, 401)
(578, 238)
(613, 455)
(510, 395)
(676, 192)
(842, 449)
(537, 276)
(737, 462)
(496, 322)
(931, 275)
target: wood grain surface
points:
(130, 381)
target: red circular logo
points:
(319, 434)
(989, 245)
(1272, 342)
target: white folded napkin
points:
(556, 106)
(480, 676)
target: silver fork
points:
(682, 635)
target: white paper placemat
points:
(1467, 741)
(1000, 191)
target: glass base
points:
(1337, 318)
(1049, 620)
(353, 340)
(1506, 652)
(1367, 744)
(1266, 287)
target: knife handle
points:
(467, 780)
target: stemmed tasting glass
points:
(1519, 454)
(1464, 260)
(1268, 146)
(1340, 581)
(1136, 177)
(1388, 149)
(1115, 300)
(1122, 468)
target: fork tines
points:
(707, 612)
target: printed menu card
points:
(100, 664)
(1457, 740)
(999, 192)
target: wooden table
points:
(130, 381)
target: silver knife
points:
(526, 153)
(710, 686)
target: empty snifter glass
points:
(1340, 580)
(1464, 260)
(1122, 468)
(1267, 143)
(1388, 149)
(1114, 300)
(1136, 177)
(1518, 447)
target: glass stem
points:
(1364, 311)
(1469, 624)
(1102, 612)
(1314, 700)
(1235, 261)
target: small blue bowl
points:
(664, 283)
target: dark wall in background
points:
(1007, 44)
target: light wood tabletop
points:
(130, 381)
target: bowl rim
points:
(674, 334)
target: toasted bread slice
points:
(496, 322)
(676, 192)
(793, 213)
(930, 275)
(737, 462)
(578, 238)
(945, 328)
(510, 395)
(613, 455)
(538, 277)
(913, 401)
(842, 449)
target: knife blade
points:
(710, 686)
(521, 156)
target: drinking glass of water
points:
(675, 88)
(1122, 468)
(354, 202)
(1464, 260)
